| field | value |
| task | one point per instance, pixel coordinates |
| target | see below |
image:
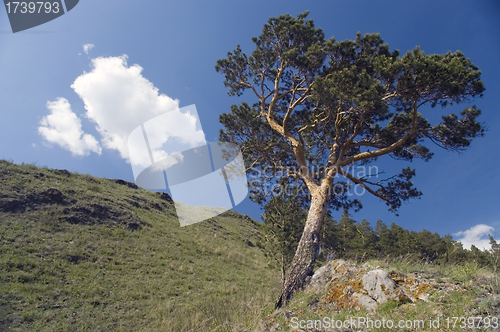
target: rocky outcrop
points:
(74, 212)
(341, 285)
(34, 201)
(97, 214)
(166, 197)
(126, 183)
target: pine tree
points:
(330, 240)
(320, 106)
(494, 253)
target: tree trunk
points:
(305, 257)
(283, 269)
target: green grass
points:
(57, 276)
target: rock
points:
(12, 206)
(102, 215)
(49, 196)
(156, 206)
(90, 216)
(64, 172)
(334, 270)
(321, 278)
(137, 205)
(166, 197)
(380, 286)
(4, 174)
(133, 226)
(75, 259)
(126, 183)
(365, 301)
(340, 285)
(34, 201)
(92, 180)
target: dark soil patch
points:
(75, 259)
(34, 201)
(97, 214)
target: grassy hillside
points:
(79, 253)
(84, 253)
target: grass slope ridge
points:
(84, 253)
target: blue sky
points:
(177, 44)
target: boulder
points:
(166, 197)
(340, 285)
(379, 286)
(126, 183)
(334, 270)
(64, 172)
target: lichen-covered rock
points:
(365, 301)
(334, 270)
(380, 286)
(340, 285)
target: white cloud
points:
(118, 99)
(63, 127)
(87, 48)
(477, 236)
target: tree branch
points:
(292, 105)
(391, 148)
(362, 184)
(297, 146)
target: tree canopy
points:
(322, 104)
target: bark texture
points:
(303, 262)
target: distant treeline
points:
(358, 241)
